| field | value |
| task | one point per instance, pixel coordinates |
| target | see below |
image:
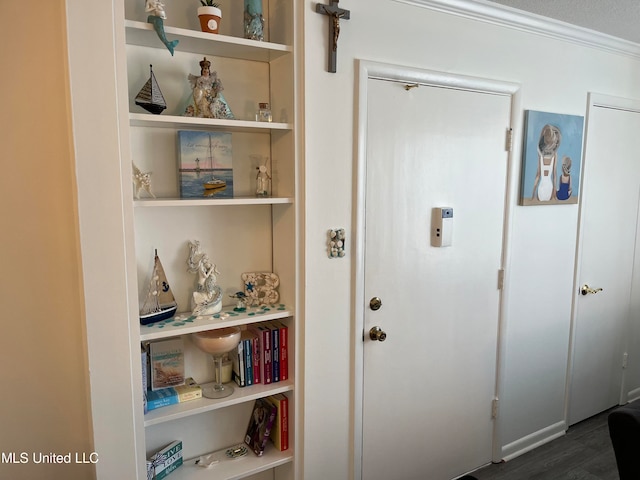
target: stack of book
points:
(269, 421)
(172, 395)
(280, 429)
(262, 354)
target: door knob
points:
(375, 303)
(377, 334)
(586, 289)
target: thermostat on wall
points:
(441, 226)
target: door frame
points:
(594, 100)
(367, 70)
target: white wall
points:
(555, 76)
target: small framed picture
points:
(205, 164)
(552, 158)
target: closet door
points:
(607, 244)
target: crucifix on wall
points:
(335, 13)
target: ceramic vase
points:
(253, 20)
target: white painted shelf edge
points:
(143, 34)
(234, 469)
(202, 405)
(173, 328)
(177, 121)
(208, 202)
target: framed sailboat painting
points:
(205, 164)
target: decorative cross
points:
(335, 13)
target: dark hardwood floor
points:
(584, 453)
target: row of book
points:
(262, 354)
(269, 421)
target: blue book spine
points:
(248, 361)
(161, 398)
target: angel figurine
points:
(207, 101)
(262, 181)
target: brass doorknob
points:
(586, 289)
(377, 334)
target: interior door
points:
(608, 217)
(428, 387)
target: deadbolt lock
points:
(375, 303)
(377, 334)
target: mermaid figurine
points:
(156, 18)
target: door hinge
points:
(625, 360)
(494, 408)
(509, 140)
(501, 279)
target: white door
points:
(428, 387)
(608, 217)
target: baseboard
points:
(633, 395)
(534, 440)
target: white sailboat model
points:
(159, 304)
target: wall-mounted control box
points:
(441, 226)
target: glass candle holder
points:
(264, 113)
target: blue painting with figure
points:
(552, 158)
(205, 164)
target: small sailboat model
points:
(150, 97)
(159, 303)
(213, 185)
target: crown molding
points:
(498, 14)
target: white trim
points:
(633, 395)
(617, 103)
(373, 70)
(534, 440)
(512, 186)
(496, 14)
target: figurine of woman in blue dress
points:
(207, 100)
(564, 185)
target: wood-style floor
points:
(584, 453)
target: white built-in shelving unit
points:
(240, 234)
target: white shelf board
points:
(234, 469)
(177, 121)
(202, 405)
(208, 202)
(174, 327)
(143, 34)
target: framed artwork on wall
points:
(551, 158)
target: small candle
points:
(227, 370)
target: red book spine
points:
(256, 360)
(284, 422)
(284, 351)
